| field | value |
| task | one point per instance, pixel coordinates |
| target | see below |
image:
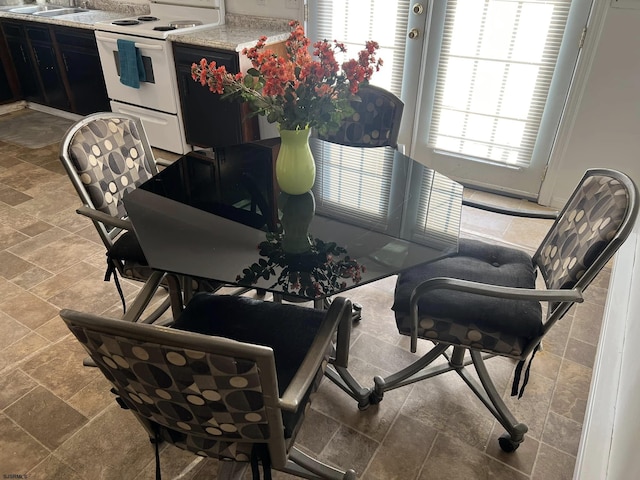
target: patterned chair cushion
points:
(110, 160)
(263, 323)
(584, 230)
(485, 323)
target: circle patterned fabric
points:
(374, 123)
(588, 224)
(110, 159)
(211, 407)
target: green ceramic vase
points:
(295, 167)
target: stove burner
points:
(125, 22)
(185, 23)
(164, 28)
(148, 18)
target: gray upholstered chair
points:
(484, 298)
(374, 123)
(106, 155)
(232, 384)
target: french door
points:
(494, 80)
(484, 81)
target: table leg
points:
(338, 371)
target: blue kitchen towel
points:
(131, 66)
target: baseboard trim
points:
(54, 111)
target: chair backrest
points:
(588, 231)
(375, 122)
(106, 155)
(210, 395)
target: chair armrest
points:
(338, 313)
(485, 289)
(105, 218)
(508, 211)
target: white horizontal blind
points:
(495, 68)
(438, 216)
(339, 186)
(354, 184)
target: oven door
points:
(159, 91)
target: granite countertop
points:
(78, 20)
(239, 31)
(236, 34)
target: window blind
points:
(496, 64)
(339, 186)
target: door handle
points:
(414, 33)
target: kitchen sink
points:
(35, 8)
(47, 10)
(60, 11)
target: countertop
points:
(239, 31)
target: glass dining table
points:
(371, 214)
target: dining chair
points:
(225, 381)
(484, 299)
(106, 155)
(375, 121)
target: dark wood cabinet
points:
(82, 70)
(23, 63)
(208, 120)
(56, 66)
(46, 62)
(9, 90)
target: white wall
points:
(606, 129)
(608, 448)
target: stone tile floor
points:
(59, 421)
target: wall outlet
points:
(293, 4)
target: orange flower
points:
(297, 90)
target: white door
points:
(494, 79)
(484, 81)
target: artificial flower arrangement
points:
(295, 90)
(320, 271)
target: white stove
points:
(152, 95)
(169, 16)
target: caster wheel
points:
(375, 398)
(362, 406)
(356, 312)
(508, 445)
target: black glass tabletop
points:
(372, 213)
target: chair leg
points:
(143, 298)
(489, 395)
(231, 470)
(413, 373)
(304, 466)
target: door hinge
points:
(582, 37)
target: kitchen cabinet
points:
(208, 120)
(22, 58)
(56, 66)
(9, 90)
(82, 70)
(46, 62)
(6, 93)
